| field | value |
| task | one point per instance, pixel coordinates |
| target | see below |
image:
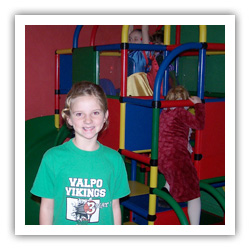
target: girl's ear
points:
(106, 115)
(69, 121)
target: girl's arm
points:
(117, 212)
(196, 121)
(130, 29)
(145, 34)
(195, 99)
(46, 211)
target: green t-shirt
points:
(82, 183)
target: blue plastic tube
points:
(76, 36)
(201, 73)
(167, 61)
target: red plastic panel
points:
(110, 137)
(212, 143)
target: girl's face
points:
(87, 117)
(135, 37)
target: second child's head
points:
(177, 93)
(86, 102)
(157, 38)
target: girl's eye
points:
(78, 114)
(96, 112)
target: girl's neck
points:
(86, 145)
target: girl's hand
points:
(195, 99)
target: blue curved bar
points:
(167, 61)
(76, 36)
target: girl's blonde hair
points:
(177, 93)
(85, 88)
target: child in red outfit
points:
(174, 151)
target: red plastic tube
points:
(216, 46)
(57, 87)
(136, 156)
(93, 35)
(124, 72)
(159, 27)
(181, 103)
(178, 35)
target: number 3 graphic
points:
(91, 207)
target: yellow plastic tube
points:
(104, 53)
(152, 207)
(125, 33)
(167, 31)
(203, 33)
(64, 51)
(152, 197)
(215, 53)
(57, 120)
(122, 125)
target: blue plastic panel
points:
(138, 127)
(65, 75)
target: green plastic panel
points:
(215, 64)
(84, 65)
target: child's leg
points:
(167, 186)
(194, 211)
(162, 202)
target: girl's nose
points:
(87, 119)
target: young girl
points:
(139, 58)
(174, 151)
(81, 181)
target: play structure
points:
(134, 120)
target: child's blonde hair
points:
(177, 93)
(85, 88)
